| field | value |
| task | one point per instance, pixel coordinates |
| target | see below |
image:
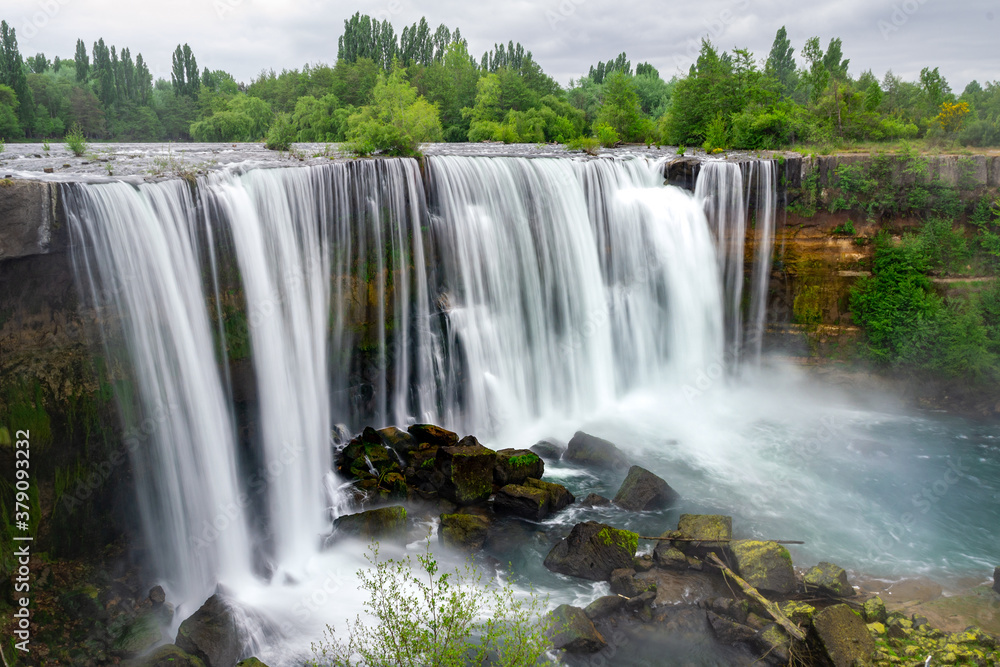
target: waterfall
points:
(481, 294)
(725, 190)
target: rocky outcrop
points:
(764, 565)
(643, 491)
(31, 220)
(572, 631)
(211, 634)
(377, 524)
(593, 551)
(548, 450)
(828, 579)
(467, 532)
(433, 435)
(523, 501)
(597, 452)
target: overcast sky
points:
(566, 36)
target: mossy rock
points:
(210, 634)
(699, 534)
(523, 501)
(764, 565)
(250, 662)
(168, 655)
(604, 606)
(828, 579)
(140, 635)
(874, 610)
(468, 471)
(559, 496)
(573, 632)
(798, 612)
(376, 524)
(433, 435)
(593, 551)
(644, 491)
(399, 440)
(463, 531)
(775, 643)
(514, 466)
(842, 637)
(548, 450)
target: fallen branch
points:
(771, 608)
(693, 539)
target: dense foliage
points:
(726, 100)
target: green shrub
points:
(397, 122)
(281, 134)
(75, 140)
(589, 145)
(716, 135)
(606, 135)
(431, 618)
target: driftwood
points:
(699, 539)
(771, 608)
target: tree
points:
(184, 72)
(10, 126)
(398, 120)
(780, 63)
(12, 74)
(82, 62)
(104, 74)
(432, 618)
(833, 62)
(621, 109)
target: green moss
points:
(523, 460)
(625, 539)
(24, 410)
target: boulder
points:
(728, 631)
(643, 491)
(764, 565)
(573, 632)
(468, 471)
(624, 582)
(734, 610)
(157, 596)
(798, 612)
(773, 642)
(669, 557)
(250, 662)
(828, 579)
(548, 450)
(141, 634)
(604, 606)
(593, 551)
(595, 500)
(366, 457)
(592, 451)
(842, 636)
(168, 655)
(432, 435)
(377, 524)
(699, 534)
(559, 495)
(524, 501)
(210, 634)
(514, 466)
(397, 439)
(463, 531)
(874, 610)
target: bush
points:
(605, 134)
(589, 145)
(75, 140)
(281, 134)
(397, 122)
(429, 618)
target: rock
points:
(645, 599)
(773, 642)
(874, 610)
(157, 596)
(210, 634)
(843, 636)
(377, 524)
(643, 563)
(798, 612)
(468, 471)
(593, 551)
(514, 466)
(548, 450)
(623, 582)
(828, 579)
(604, 606)
(643, 491)
(996, 579)
(734, 610)
(559, 495)
(700, 534)
(250, 662)
(463, 531)
(140, 635)
(400, 441)
(524, 501)
(168, 655)
(597, 452)
(595, 500)
(764, 565)
(728, 631)
(433, 435)
(669, 557)
(572, 631)
(366, 457)
(340, 434)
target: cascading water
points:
(511, 290)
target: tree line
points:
(437, 91)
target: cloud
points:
(565, 36)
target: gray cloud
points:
(565, 36)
